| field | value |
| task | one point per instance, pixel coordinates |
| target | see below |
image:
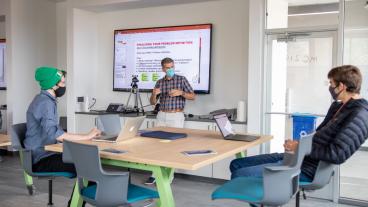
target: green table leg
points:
(163, 177)
(77, 200)
(28, 179)
(241, 154)
(29, 183)
(163, 180)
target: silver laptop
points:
(109, 124)
(227, 131)
(130, 129)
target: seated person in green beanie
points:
(43, 123)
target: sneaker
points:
(150, 181)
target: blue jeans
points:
(253, 166)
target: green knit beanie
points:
(48, 77)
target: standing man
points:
(43, 123)
(173, 90)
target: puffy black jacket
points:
(339, 136)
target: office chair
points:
(278, 185)
(323, 175)
(19, 132)
(63, 121)
(111, 188)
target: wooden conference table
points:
(4, 140)
(162, 157)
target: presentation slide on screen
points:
(140, 51)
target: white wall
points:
(313, 20)
(277, 14)
(31, 41)
(61, 35)
(2, 30)
(356, 16)
(81, 58)
(229, 49)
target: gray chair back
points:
(63, 122)
(111, 188)
(322, 177)
(281, 183)
(304, 148)
(18, 132)
(324, 170)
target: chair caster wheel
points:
(148, 203)
(31, 189)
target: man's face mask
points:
(334, 95)
(59, 92)
(170, 72)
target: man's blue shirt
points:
(42, 125)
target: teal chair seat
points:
(135, 193)
(304, 183)
(234, 189)
(55, 174)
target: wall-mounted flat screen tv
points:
(138, 52)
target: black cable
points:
(94, 102)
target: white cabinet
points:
(240, 128)
(84, 123)
(221, 168)
(4, 121)
(148, 123)
(198, 125)
(207, 170)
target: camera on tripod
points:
(134, 81)
(137, 98)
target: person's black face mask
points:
(59, 92)
(332, 92)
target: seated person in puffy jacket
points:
(337, 138)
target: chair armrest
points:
(278, 168)
(114, 173)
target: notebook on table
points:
(163, 135)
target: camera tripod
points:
(135, 91)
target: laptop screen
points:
(109, 124)
(224, 124)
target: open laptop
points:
(227, 131)
(109, 124)
(130, 129)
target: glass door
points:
(354, 172)
(296, 74)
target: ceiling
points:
(113, 5)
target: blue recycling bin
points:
(303, 124)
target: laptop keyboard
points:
(108, 137)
